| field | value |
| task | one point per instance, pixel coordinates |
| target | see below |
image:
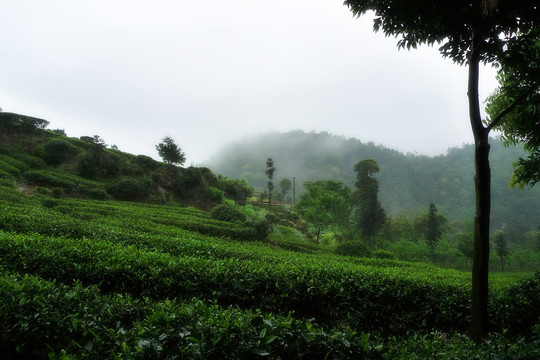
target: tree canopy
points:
(325, 203)
(519, 79)
(170, 152)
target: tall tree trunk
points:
(482, 179)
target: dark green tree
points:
(170, 152)
(500, 246)
(469, 32)
(325, 203)
(465, 245)
(435, 224)
(270, 169)
(369, 216)
(285, 186)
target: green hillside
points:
(48, 161)
(407, 181)
(103, 279)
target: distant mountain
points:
(407, 181)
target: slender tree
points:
(369, 215)
(270, 169)
(434, 228)
(466, 246)
(501, 247)
(469, 32)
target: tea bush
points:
(353, 248)
(130, 188)
(226, 212)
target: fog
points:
(210, 72)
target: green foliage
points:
(16, 123)
(516, 310)
(170, 152)
(518, 100)
(146, 163)
(66, 181)
(383, 254)
(15, 153)
(325, 203)
(369, 215)
(214, 194)
(500, 246)
(353, 248)
(130, 188)
(237, 190)
(410, 251)
(270, 169)
(226, 212)
(56, 151)
(285, 186)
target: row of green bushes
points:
(47, 320)
(63, 222)
(118, 326)
(389, 301)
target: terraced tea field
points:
(88, 279)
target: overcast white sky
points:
(208, 72)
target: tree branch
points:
(510, 107)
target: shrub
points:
(353, 248)
(86, 164)
(57, 150)
(43, 190)
(214, 194)
(383, 254)
(57, 192)
(97, 194)
(225, 212)
(238, 190)
(261, 229)
(146, 162)
(130, 188)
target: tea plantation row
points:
(91, 279)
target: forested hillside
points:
(407, 181)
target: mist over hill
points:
(407, 181)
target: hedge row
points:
(389, 301)
(37, 219)
(46, 320)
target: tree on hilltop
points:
(469, 32)
(170, 152)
